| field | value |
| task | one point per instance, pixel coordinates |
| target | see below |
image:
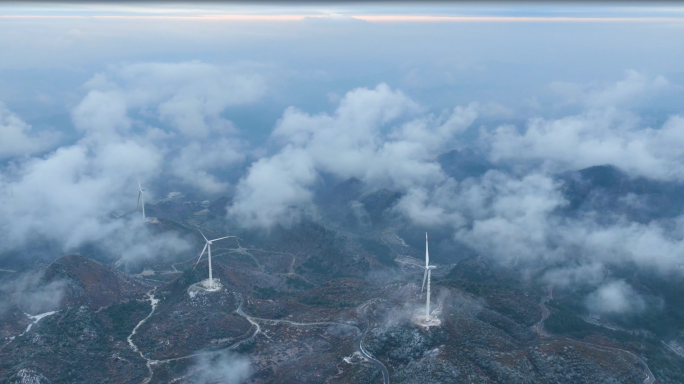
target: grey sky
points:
(441, 64)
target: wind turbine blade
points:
(427, 255)
(198, 259)
(138, 205)
(205, 238)
(424, 278)
(221, 238)
(139, 186)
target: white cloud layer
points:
(603, 133)
(30, 293)
(185, 101)
(383, 138)
(634, 88)
(158, 121)
(514, 220)
(363, 138)
(515, 217)
(16, 138)
(615, 297)
(147, 121)
(222, 367)
(189, 96)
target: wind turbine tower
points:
(141, 197)
(207, 247)
(426, 277)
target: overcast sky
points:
(311, 54)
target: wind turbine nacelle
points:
(430, 267)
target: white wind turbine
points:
(208, 246)
(426, 277)
(141, 196)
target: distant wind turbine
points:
(426, 277)
(207, 246)
(141, 197)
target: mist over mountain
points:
(305, 161)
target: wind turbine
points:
(426, 276)
(208, 246)
(141, 196)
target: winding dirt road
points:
(359, 340)
(539, 329)
(359, 346)
(257, 330)
(148, 362)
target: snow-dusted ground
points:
(675, 347)
(29, 376)
(36, 319)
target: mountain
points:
(377, 203)
(83, 336)
(317, 302)
(219, 206)
(346, 204)
(608, 190)
(462, 164)
(343, 193)
(90, 283)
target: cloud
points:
(601, 134)
(354, 141)
(189, 96)
(418, 205)
(518, 215)
(17, 138)
(32, 294)
(103, 112)
(520, 220)
(499, 215)
(595, 138)
(592, 273)
(161, 121)
(511, 216)
(364, 138)
(179, 109)
(221, 367)
(196, 159)
(134, 243)
(615, 297)
(68, 195)
(147, 121)
(654, 245)
(432, 132)
(274, 189)
(634, 88)
(333, 19)
(176, 107)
